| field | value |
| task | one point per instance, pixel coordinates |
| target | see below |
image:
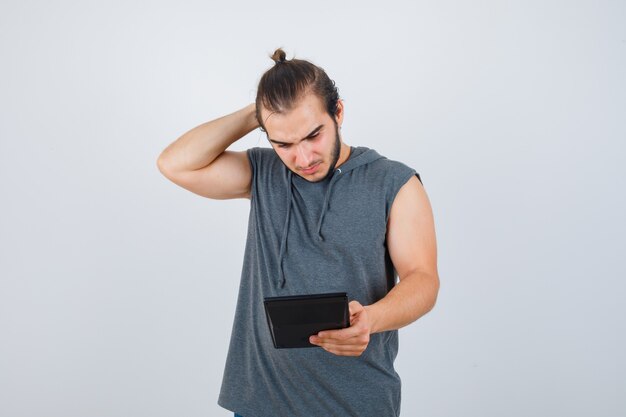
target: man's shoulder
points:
(261, 157)
(263, 152)
(393, 170)
(388, 164)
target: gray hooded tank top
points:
(308, 238)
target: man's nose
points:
(304, 156)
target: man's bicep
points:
(411, 231)
(228, 176)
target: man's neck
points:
(344, 154)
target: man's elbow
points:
(433, 293)
(161, 164)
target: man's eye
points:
(313, 137)
(282, 146)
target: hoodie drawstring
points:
(325, 205)
(283, 241)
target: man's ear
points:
(339, 112)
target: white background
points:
(118, 288)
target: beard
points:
(335, 155)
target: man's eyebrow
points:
(313, 132)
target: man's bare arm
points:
(199, 162)
(413, 249)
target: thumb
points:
(355, 308)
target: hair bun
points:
(279, 56)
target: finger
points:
(340, 335)
(343, 350)
(356, 327)
(357, 339)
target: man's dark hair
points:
(287, 81)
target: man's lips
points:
(311, 169)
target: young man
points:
(324, 217)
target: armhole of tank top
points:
(401, 183)
(251, 153)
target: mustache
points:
(311, 166)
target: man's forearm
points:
(412, 297)
(201, 145)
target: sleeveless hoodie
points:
(309, 238)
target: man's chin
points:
(311, 178)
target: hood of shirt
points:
(354, 161)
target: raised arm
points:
(199, 162)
